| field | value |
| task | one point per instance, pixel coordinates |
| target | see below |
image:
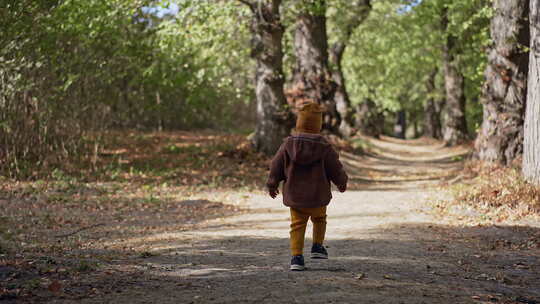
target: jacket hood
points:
(305, 149)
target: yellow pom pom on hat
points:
(309, 118)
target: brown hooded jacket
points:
(307, 164)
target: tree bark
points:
(531, 149)
(341, 96)
(400, 128)
(369, 120)
(504, 93)
(455, 129)
(273, 120)
(361, 9)
(432, 110)
(311, 74)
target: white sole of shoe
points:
(315, 255)
(297, 267)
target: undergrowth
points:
(496, 192)
(139, 184)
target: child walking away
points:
(307, 164)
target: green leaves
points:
(312, 7)
(73, 67)
(392, 53)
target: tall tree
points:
(369, 120)
(505, 91)
(455, 129)
(311, 73)
(400, 127)
(346, 17)
(273, 120)
(531, 149)
(432, 109)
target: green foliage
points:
(344, 17)
(72, 68)
(386, 58)
(213, 45)
(312, 7)
(394, 51)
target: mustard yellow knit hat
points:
(309, 118)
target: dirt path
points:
(384, 246)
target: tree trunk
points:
(311, 74)
(455, 129)
(432, 111)
(341, 97)
(505, 91)
(400, 128)
(413, 118)
(359, 11)
(369, 120)
(273, 120)
(531, 148)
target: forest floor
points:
(143, 237)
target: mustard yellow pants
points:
(299, 219)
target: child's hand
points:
(273, 192)
(342, 188)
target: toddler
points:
(307, 164)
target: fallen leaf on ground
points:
(55, 287)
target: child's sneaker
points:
(297, 263)
(318, 252)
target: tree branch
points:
(248, 3)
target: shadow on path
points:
(406, 263)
